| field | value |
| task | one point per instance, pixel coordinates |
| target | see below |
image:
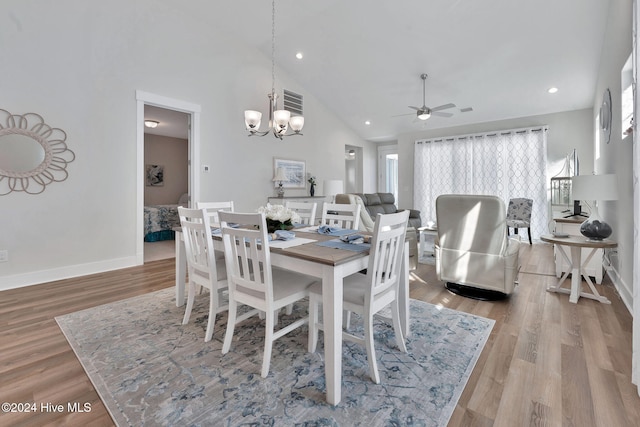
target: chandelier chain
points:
(279, 120)
(273, 46)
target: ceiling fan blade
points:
(401, 115)
(466, 110)
(441, 114)
(443, 107)
(416, 108)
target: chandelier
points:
(279, 120)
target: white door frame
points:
(193, 110)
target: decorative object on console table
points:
(312, 185)
(279, 178)
(597, 188)
(333, 187)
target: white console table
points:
(275, 200)
(593, 268)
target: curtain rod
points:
(484, 134)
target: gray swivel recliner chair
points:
(473, 252)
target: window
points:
(626, 82)
(507, 164)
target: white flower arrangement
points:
(279, 213)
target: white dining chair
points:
(212, 209)
(204, 270)
(306, 211)
(254, 283)
(341, 215)
(370, 293)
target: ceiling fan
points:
(424, 112)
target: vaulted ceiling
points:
(363, 58)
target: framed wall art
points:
(294, 170)
(155, 175)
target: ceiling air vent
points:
(293, 103)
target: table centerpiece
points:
(279, 217)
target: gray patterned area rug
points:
(150, 370)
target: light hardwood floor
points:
(548, 362)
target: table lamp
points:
(279, 177)
(597, 188)
(333, 187)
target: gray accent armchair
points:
(472, 248)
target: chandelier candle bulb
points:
(252, 119)
(296, 122)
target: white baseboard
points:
(623, 290)
(67, 272)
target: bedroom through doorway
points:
(166, 182)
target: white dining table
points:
(332, 266)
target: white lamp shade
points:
(280, 175)
(296, 122)
(252, 119)
(424, 116)
(333, 187)
(594, 187)
(151, 123)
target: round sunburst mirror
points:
(32, 153)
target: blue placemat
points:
(337, 244)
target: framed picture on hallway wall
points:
(155, 175)
(294, 170)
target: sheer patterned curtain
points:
(507, 164)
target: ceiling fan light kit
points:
(424, 113)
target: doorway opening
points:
(388, 169)
(352, 169)
(181, 127)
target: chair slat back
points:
(196, 231)
(387, 247)
(212, 209)
(306, 211)
(342, 215)
(246, 251)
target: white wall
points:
(616, 156)
(568, 130)
(82, 74)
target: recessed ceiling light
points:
(367, 122)
(299, 55)
(552, 90)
